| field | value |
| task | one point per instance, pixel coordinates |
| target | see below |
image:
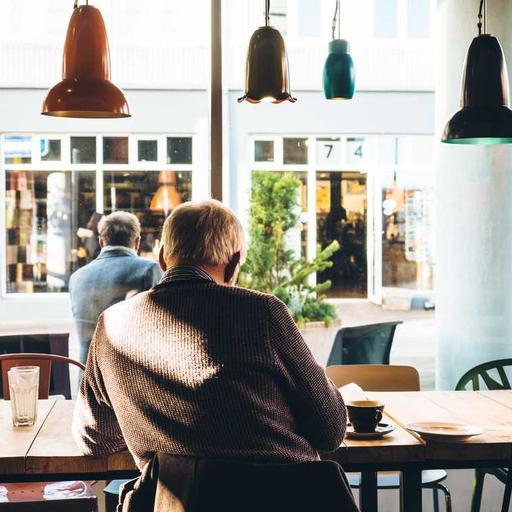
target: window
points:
(179, 150)
(147, 150)
(328, 151)
(407, 232)
(418, 19)
(17, 149)
(295, 151)
(309, 18)
(385, 19)
(83, 150)
(264, 151)
(151, 195)
(115, 150)
(43, 210)
(341, 207)
(50, 150)
(52, 214)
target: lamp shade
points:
(266, 73)
(166, 197)
(339, 76)
(485, 117)
(86, 89)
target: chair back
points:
(491, 375)
(375, 377)
(172, 482)
(363, 344)
(44, 361)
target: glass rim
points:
(22, 369)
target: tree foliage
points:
(271, 266)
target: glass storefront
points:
(53, 203)
(382, 218)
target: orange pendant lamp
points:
(167, 197)
(86, 90)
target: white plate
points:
(381, 430)
(444, 431)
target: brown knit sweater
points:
(195, 368)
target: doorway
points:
(342, 215)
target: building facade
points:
(365, 165)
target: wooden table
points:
(406, 452)
(47, 450)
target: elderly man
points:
(114, 275)
(199, 367)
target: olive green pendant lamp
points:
(485, 116)
(339, 76)
(266, 73)
(86, 90)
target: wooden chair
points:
(363, 344)
(53, 343)
(43, 496)
(44, 361)
(383, 377)
(492, 376)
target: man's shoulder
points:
(246, 294)
(127, 306)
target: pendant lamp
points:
(86, 90)
(485, 116)
(339, 75)
(167, 197)
(266, 73)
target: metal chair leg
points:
(508, 492)
(435, 496)
(447, 496)
(478, 486)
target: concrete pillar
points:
(474, 211)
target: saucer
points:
(444, 431)
(382, 430)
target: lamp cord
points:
(335, 21)
(267, 13)
(481, 17)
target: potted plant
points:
(272, 266)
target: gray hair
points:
(204, 232)
(119, 228)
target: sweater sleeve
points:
(315, 401)
(95, 427)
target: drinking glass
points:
(24, 391)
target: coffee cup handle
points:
(378, 416)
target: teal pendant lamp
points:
(485, 116)
(339, 76)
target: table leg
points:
(368, 491)
(410, 490)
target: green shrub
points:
(273, 268)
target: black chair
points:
(171, 482)
(491, 375)
(363, 344)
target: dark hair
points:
(119, 228)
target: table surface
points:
(48, 446)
